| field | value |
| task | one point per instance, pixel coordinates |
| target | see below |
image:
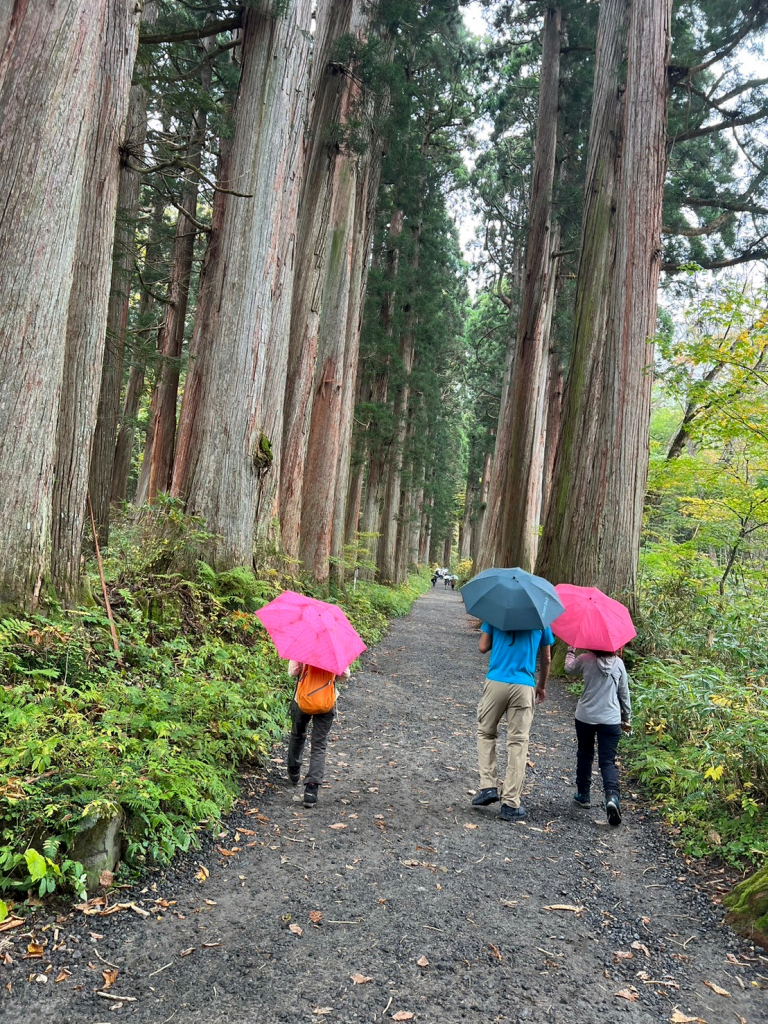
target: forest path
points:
(400, 868)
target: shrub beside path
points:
(394, 899)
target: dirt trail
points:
(401, 870)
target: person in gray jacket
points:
(604, 710)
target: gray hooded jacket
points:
(605, 700)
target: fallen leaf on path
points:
(96, 935)
(422, 961)
(315, 916)
(110, 977)
(132, 906)
(360, 979)
(296, 929)
(565, 906)
(203, 873)
(402, 1015)
(106, 878)
(210, 903)
(6, 959)
(41, 979)
(64, 975)
(322, 1011)
(494, 950)
(641, 947)
(740, 1019)
(210, 945)
(187, 952)
(11, 922)
(509, 903)
(627, 993)
(338, 825)
(470, 826)
(678, 1017)
(34, 951)
(94, 906)
(717, 990)
(621, 954)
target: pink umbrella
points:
(311, 631)
(591, 619)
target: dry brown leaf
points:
(106, 878)
(422, 961)
(621, 954)
(495, 951)
(740, 1019)
(64, 975)
(11, 922)
(402, 1015)
(717, 990)
(360, 979)
(322, 1011)
(226, 853)
(628, 994)
(468, 825)
(110, 977)
(210, 945)
(41, 979)
(565, 906)
(187, 952)
(6, 959)
(641, 947)
(202, 874)
(678, 1017)
(338, 825)
(210, 903)
(34, 951)
(315, 916)
(296, 929)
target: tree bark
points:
(592, 530)
(521, 504)
(224, 448)
(89, 297)
(332, 96)
(171, 339)
(477, 529)
(49, 60)
(103, 448)
(555, 384)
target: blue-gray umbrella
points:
(512, 599)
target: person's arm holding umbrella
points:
(624, 699)
(545, 660)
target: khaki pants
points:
(517, 702)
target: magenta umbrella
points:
(591, 619)
(311, 631)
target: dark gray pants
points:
(321, 727)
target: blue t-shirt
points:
(513, 654)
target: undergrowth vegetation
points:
(158, 729)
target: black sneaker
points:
(294, 774)
(310, 794)
(485, 797)
(582, 799)
(613, 808)
(508, 813)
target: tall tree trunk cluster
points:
(65, 75)
(576, 465)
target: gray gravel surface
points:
(442, 908)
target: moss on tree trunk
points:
(748, 907)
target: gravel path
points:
(444, 911)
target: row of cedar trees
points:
(262, 441)
(560, 487)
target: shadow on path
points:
(396, 879)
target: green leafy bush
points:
(159, 729)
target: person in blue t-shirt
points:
(510, 689)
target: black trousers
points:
(321, 727)
(608, 737)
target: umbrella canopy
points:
(511, 599)
(311, 631)
(592, 619)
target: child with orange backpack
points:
(314, 701)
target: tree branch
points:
(733, 122)
(203, 32)
(746, 257)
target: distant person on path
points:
(604, 710)
(510, 689)
(321, 727)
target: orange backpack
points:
(316, 691)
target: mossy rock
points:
(748, 907)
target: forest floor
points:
(394, 898)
